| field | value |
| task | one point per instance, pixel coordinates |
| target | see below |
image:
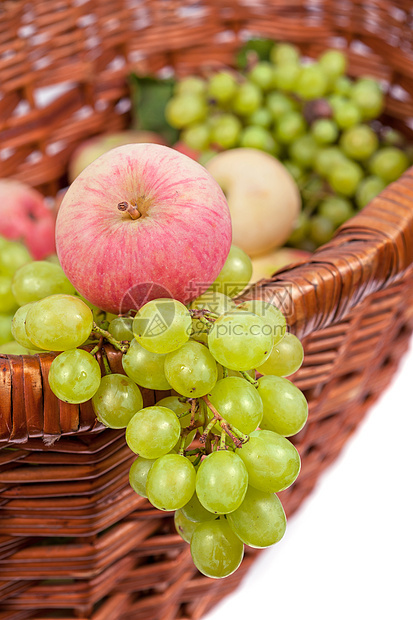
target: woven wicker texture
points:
(75, 540)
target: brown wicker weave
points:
(75, 540)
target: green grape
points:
(197, 136)
(279, 104)
(40, 279)
(336, 209)
(285, 406)
(261, 117)
(262, 75)
(6, 328)
(260, 520)
(185, 109)
(191, 370)
(285, 76)
(359, 142)
(153, 432)
(121, 328)
(368, 189)
(59, 323)
(345, 177)
(74, 376)
(304, 150)
(333, 63)
(116, 401)
(271, 315)
(311, 82)
(190, 85)
(7, 300)
(221, 482)
(247, 99)
(214, 302)
(138, 474)
(216, 550)
(347, 114)
(235, 274)
(286, 357)
(222, 86)
(240, 341)
(328, 158)
(18, 328)
(13, 348)
(392, 137)
(13, 255)
(173, 402)
(290, 127)
(256, 137)
(171, 482)
(321, 229)
(194, 511)
(368, 97)
(284, 53)
(226, 131)
(389, 163)
(162, 325)
(145, 368)
(184, 527)
(324, 131)
(300, 231)
(342, 85)
(238, 402)
(271, 460)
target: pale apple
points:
(91, 149)
(24, 216)
(142, 221)
(263, 267)
(263, 198)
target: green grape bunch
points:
(215, 449)
(324, 126)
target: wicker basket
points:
(75, 540)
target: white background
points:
(348, 551)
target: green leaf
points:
(149, 98)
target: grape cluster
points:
(215, 451)
(322, 125)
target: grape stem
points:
(121, 346)
(237, 437)
(106, 363)
(97, 347)
(205, 316)
(246, 376)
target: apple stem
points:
(132, 210)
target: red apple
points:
(25, 216)
(91, 149)
(263, 267)
(141, 222)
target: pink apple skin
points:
(24, 216)
(180, 242)
(91, 149)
